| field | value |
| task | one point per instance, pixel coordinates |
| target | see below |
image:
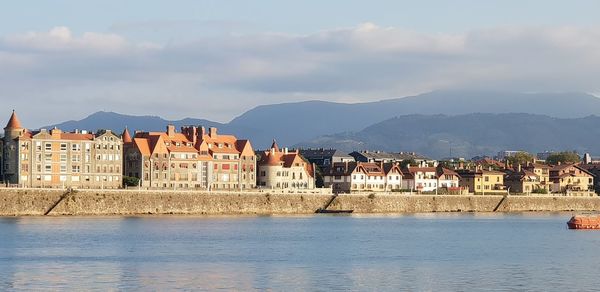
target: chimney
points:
(212, 132)
(202, 131)
(171, 130)
(55, 133)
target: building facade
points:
(282, 169)
(347, 177)
(481, 181)
(58, 159)
(570, 177)
(192, 159)
(429, 179)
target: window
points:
(48, 157)
(76, 158)
(63, 157)
(38, 146)
(75, 147)
(63, 168)
(48, 146)
(63, 146)
(47, 168)
(76, 169)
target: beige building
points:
(282, 169)
(192, 159)
(570, 177)
(57, 159)
(482, 181)
(534, 177)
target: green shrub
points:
(131, 181)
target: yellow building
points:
(482, 181)
(570, 177)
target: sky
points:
(62, 60)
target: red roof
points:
(126, 136)
(13, 122)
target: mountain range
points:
(469, 135)
(300, 123)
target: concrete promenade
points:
(34, 202)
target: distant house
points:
(325, 157)
(594, 169)
(428, 179)
(345, 177)
(283, 169)
(570, 177)
(522, 181)
(386, 157)
(480, 181)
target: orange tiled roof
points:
(142, 145)
(126, 136)
(76, 136)
(13, 122)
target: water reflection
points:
(315, 253)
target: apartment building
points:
(191, 159)
(481, 181)
(53, 158)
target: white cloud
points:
(217, 77)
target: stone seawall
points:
(22, 202)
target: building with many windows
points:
(192, 159)
(53, 158)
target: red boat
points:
(584, 222)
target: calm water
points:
(447, 252)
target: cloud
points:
(219, 76)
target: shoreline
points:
(47, 202)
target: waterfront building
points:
(53, 158)
(346, 177)
(429, 179)
(524, 180)
(481, 181)
(387, 157)
(325, 157)
(284, 169)
(192, 159)
(543, 172)
(570, 177)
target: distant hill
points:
(292, 123)
(468, 135)
(117, 122)
(295, 122)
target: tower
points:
(10, 153)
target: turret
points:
(13, 128)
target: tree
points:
(520, 158)
(407, 162)
(130, 181)
(563, 157)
